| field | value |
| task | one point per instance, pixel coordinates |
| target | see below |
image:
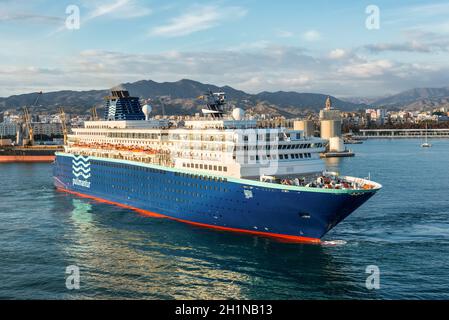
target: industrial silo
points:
(306, 126)
(330, 129)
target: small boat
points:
(426, 144)
(351, 141)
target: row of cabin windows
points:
(300, 146)
(187, 188)
(200, 177)
(269, 137)
(68, 167)
(126, 166)
(282, 157)
(205, 167)
(131, 142)
(295, 156)
(280, 147)
(116, 180)
(134, 135)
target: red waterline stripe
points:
(18, 158)
(203, 225)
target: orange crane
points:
(28, 120)
(63, 119)
(29, 126)
(94, 113)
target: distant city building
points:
(8, 129)
(11, 118)
(381, 115)
(47, 129)
(443, 118)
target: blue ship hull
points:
(302, 214)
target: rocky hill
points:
(178, 98)
(417, 99)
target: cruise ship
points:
(219, 170)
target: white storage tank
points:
(330, 129)
(306, 126)
(336, 144)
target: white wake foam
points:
(333, 243)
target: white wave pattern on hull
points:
(81, 167)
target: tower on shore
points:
(331, 123)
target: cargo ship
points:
(25, 149)
(218, 170)
(28, 153)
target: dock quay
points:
(401, 133)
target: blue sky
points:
(305, 46)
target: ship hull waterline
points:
(27, 159)
(227, 204)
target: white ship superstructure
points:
(235, 148)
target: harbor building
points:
(8, 129)
(47, 129)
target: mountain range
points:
(417, 99)
(180, 97)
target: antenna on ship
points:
(215, 103)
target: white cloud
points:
(412, 46)
(268, 68)
(106, 8)
(4, 16)
(367, 69)
(117, 9)
(198, 19)
(337, 54)
(311, 35)
(19, 11)
(122, 9)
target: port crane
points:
(28, 120)
(63, 119)
(29, 126)
(94, 113)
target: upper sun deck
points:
(124, 124)
(197, 124)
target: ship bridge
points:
(221, 124)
